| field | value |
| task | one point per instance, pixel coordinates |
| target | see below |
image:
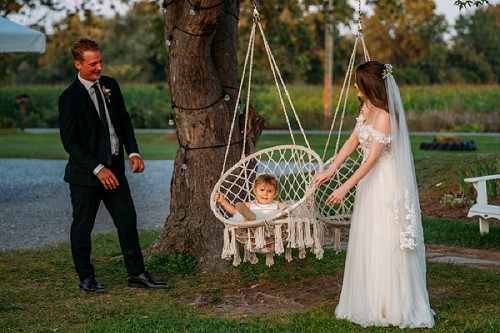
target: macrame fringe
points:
(236, 259)
(291, 233)
(302, 252)
(246, 255)
(288, 254)
(319, 236)
(269, 259)
(278, 240)
(225, 249)
(253, 258)
(299, 233)
(260, 238)
(249, 240)
(336, 234)
(302, 233)
(309, 241)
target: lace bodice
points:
(366, 134)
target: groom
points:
(94, 127)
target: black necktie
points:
(104, 123)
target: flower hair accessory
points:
(387, 70)
(107, 93)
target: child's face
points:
(265, 193)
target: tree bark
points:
(201, 71)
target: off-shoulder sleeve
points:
(381, 137)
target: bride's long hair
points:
(371, 83)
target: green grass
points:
(162, 146)
(38, 287)
(38, 293)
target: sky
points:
(443, 7)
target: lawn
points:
(38, 287)
(163, 146)
(38, 292)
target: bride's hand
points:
(336, 197)
(322, 177)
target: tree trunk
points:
(201, 71)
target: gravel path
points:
(35, 207)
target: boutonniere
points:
(107, 93)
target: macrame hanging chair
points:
(339, 216)
(294, 166)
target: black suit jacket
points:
(82, 134)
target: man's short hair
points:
(82, 45)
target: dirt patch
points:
(431, 205)
(463, 252)
(260, 299)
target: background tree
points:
(477, 45)
(134, 44)
(405, 33)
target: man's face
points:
(91, 66)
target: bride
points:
(384, 278)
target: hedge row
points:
(428, 108)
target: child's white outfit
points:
(260, 211)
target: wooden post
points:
(327, 85)
(22, 100)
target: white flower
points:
(107, 93)
(387, 70)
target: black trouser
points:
(119, 203)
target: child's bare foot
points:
(245, 211)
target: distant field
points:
(163, 146)
(469, 108)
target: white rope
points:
(225, 250)
(345, 85)
(294, 166)
(278, 240)
(276, 73)
(235, 113)
(309, 241)
(288, 254)
(269, 259)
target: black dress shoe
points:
(145, 280)
(91, 285)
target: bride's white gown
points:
(383, 284)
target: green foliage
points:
(148, 105)
(407, 33)
(478, 168)
(454, 201)
(473, 127)
(477, 45)
(459, 233)
(172, 264)
(428, 108)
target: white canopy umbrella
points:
(18, 38)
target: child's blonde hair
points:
(266, 179)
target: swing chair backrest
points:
(293, 166)
(340, 215)
(337, 215)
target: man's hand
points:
(136, 164)
(108, 179)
